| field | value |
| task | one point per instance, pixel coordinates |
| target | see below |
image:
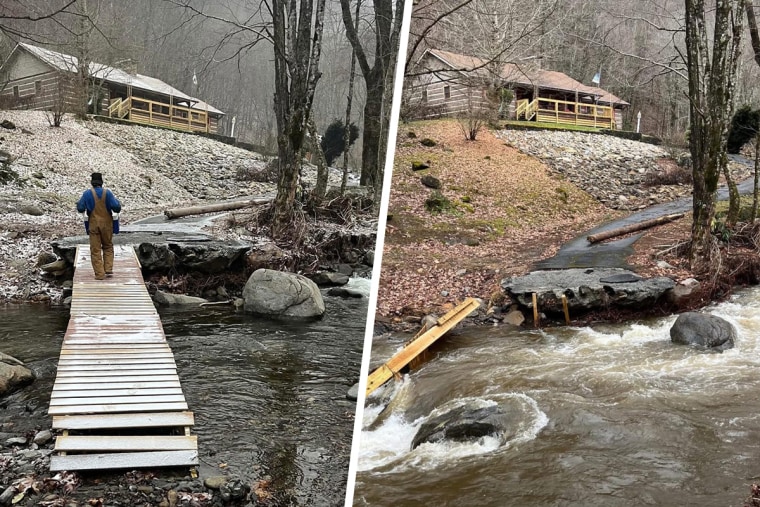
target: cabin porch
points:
(565, 112)
(163, 114)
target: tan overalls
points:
(101, 237)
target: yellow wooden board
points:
(402, 358)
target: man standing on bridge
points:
(98, 203)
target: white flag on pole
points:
(597, 77)
(195, 79)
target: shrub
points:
(437, 202)
(744, 126)
(332, 141)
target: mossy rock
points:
(562, 193)
(469, 208)
(437, 202)
(411, 135)
(428, 142)
(418, 165)
(431, 181)
(466, 199)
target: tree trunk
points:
(372, 132)
(349, 102)
(756, 188)
(711, 84)
(733, 198)
(320, 189)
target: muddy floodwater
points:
(612, 415)
(269, 396)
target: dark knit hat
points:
(96, 179)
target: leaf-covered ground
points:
(508, 210)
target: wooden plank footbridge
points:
(117, 397)
(414, 349)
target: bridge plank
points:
(123, 460)
(116, 408)
(126, 443)
(113, 421)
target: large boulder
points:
(13, 374)
(703, 331)
(270, 292)
(586, 289)
(465, 423)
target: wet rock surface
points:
(464, 423)
(585, 289)
(276, 293)
(703, 331)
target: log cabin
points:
(41, 79)
(450, 84)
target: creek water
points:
(611, 415)
(269, 396)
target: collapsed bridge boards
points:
(420, 344)
(117, 396)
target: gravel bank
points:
(613, 170)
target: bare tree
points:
(387, 19)
(711, 85)
(297, 38)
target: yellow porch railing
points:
(566, 112)
(159, 113)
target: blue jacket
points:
(87, 202)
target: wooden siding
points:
(29, 97)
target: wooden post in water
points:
(536, 322)
(564, 307)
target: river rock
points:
(165, 298)
(215, 481)
(156, 256)
(464, 423)
(266, 255)
(43, 437)
(515, 318)
(278, 293)
(13, 374)
(585, 289)
(343, 292)
(353, 393)
(683, 290)
(703, 331)
(30, 209)
(329, 279)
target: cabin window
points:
(424, 96)
(447, 92)
(38, 87)
(15, 92)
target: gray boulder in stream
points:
(277, 293)
(13, 374)
(465, 423)
(703, 331)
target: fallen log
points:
(620, 231)
(213, 208)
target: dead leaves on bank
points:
(509, 211)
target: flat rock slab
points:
(158, 252)
(586, 289)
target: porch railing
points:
(566, 112)
(159, 113)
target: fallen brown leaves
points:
(510, 211)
